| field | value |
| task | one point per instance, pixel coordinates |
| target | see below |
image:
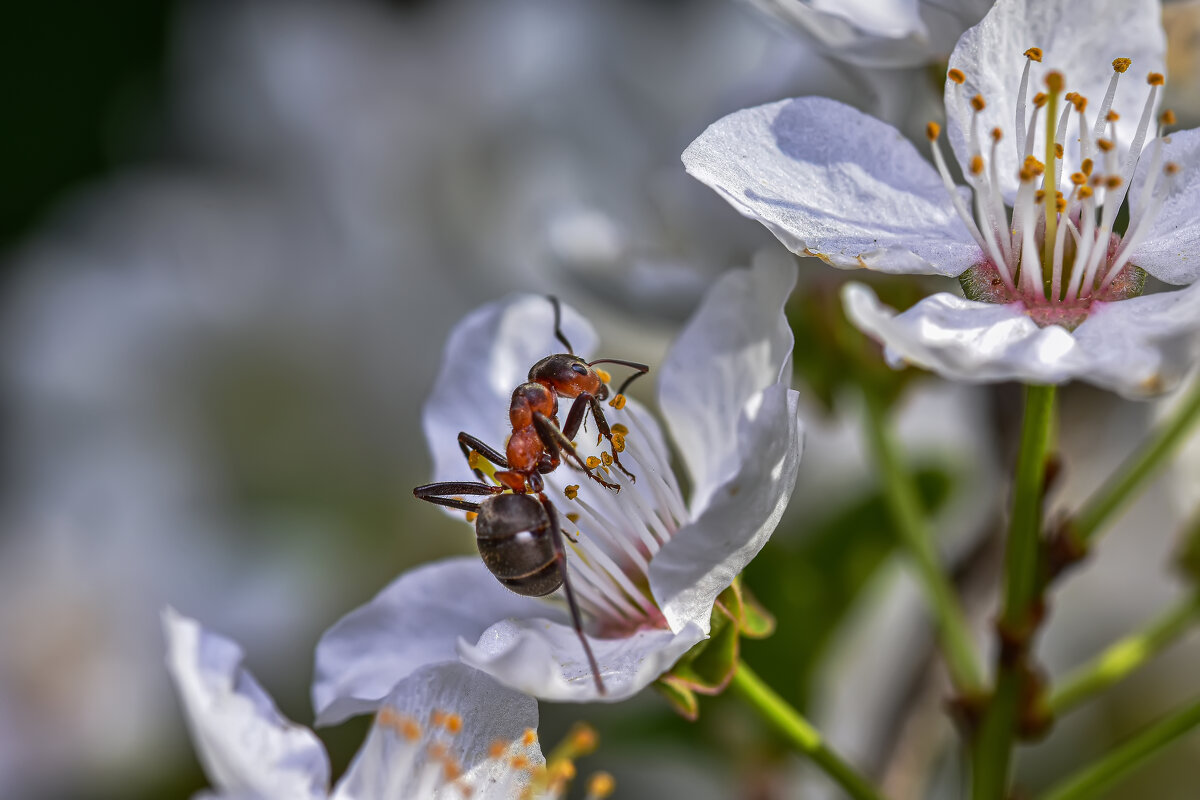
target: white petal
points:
(865, 33)
(546, 660)
(1079, 39)
(736, 344)
(1171, 249)
(1143, 346)
(416, 620)
(246, 746)
(488, 355)
(1137, 347)
(390, 765)
(966, 340)
(874, 34)
(703, 558)
(831, 181)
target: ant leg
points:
(430, 494)
(578, 411)
(555, 442)
(560, 553)
(558, 334)
(642, 369)
(468, 443)
(606, 432)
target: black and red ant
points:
(518, 535)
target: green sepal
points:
(709, 666)
(681, 698)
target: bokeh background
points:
(234, 237)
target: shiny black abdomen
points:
(516, 544)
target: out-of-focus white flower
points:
(871, 33)
(1054, 297)
(648, 565)
(445, 732)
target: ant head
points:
(568, 375)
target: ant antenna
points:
(642, 369)
(558, 334)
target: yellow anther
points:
(1171, 168)
(519, 762)
(1055, 81)
(438, 751)
(1060, 203)
(621, 429)
(1086, 166)
(497, 748)
(592, 462)
(583, 739)
(1112, 116)
(1167, 117)
(573, 516)
(1034, 166)
(1034, 54)
(1080, 102)
(1078, 178)
(957, 76)
(1121, 64)
(606, 458)
(403, 725)
(976, 164)
(452, 723)
(1155, 79)
(1026, 175)
(529, 738)
(1040, 99)
(932, 131)
(618, 442)
(451, 769)
(1113, 182)
(1058, 150)
(472, 516)
(1105, 144)
(1085, 191)
(1039, 195)
(572, 491)
(604, 376)
(601, 785)
(978, 103)
(997, 134)
(618, 402)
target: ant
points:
(537, 443)
(518, 534)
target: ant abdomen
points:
(516, 544)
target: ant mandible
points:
(518, 535)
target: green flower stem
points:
(909, 518)
(1124, 656)
(993, 744)
(800, 731)
(1130, 477)
(1151, 741)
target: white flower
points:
(871, 33)
(648, 565)
(1045, 307)
(445, 732)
